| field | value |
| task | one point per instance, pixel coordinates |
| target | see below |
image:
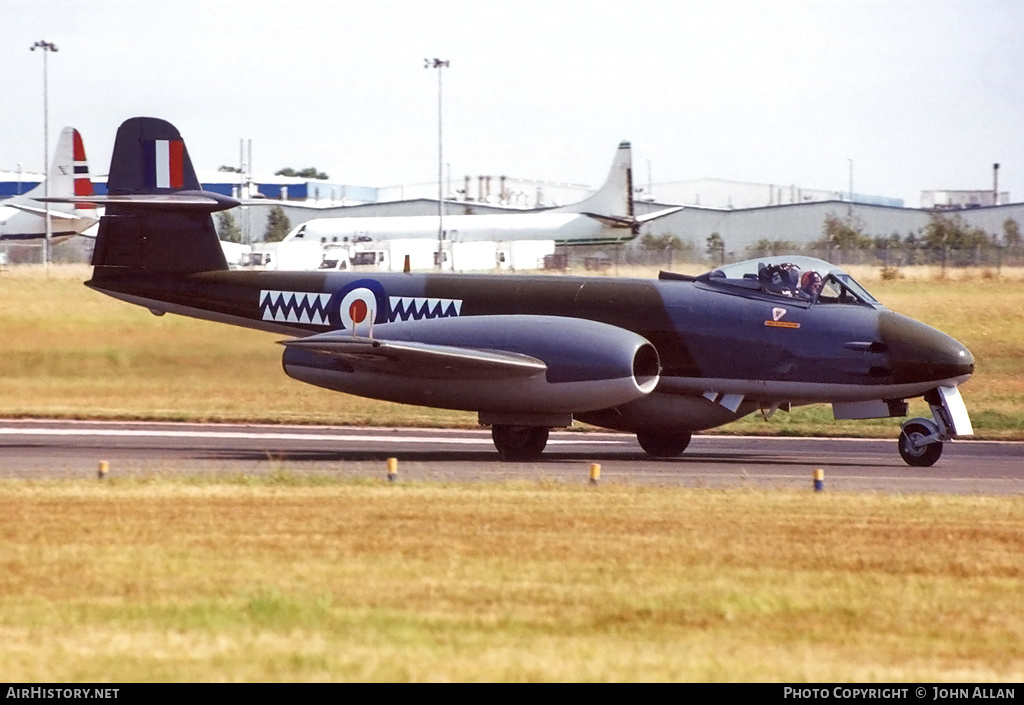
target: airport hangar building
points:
(739, 228)
(743, 214)
(741, 224)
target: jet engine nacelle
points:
(515, 364)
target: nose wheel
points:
(917, 444)
(921, 439)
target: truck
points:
(472, 256)
(295, 256)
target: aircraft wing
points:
(420, 360)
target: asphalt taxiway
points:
(32, 449)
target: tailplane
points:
(157, 218)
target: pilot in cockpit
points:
(810, 284)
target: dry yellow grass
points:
(287, 579)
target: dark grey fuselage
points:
(712, 339)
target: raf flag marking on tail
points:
(164, 163)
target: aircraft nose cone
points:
(919, 353)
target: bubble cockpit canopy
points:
(793, 277)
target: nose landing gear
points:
(921, 439)
(919, 443)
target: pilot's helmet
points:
(810, 283)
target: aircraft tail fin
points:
(612, 204)
(69, 170)
(615, 198)
(157, 218)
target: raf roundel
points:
(359, 306)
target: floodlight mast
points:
(439, 64)
(46, 48)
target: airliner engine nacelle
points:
(527, 366)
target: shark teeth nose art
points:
(294, 307)
(404, 308)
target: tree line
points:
(946, 238)
(277, 227)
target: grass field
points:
(70, 352)
(289, 579)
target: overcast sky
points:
(919, 94)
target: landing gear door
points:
(956, 410)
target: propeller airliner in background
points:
(23, 217)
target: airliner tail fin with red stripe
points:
(67, 181)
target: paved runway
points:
(66, 449)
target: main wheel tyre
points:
(915, 454)
(519, 443)
(663, 444)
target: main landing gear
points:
(523, 443)
(663, 443)
(519, 443)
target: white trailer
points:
(523, 254)
(294, 256)
(473, 256)
(380, 255)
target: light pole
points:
(439, 64)
(849, 207)
(46, 48)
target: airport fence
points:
(14, 253)
(980, 257)
(63, 250)
(606, 257)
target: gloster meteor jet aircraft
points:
(658, 358)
